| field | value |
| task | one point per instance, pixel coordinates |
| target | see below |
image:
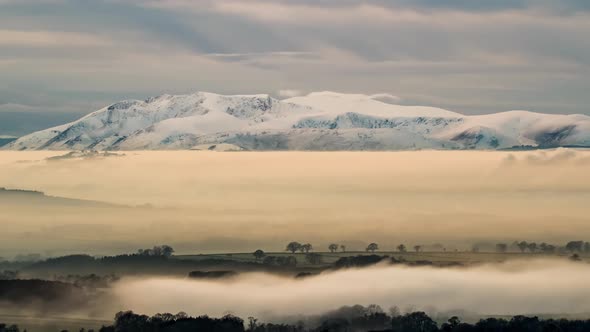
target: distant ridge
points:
(318, 121)
(34, 198)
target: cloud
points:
(518, 287)
(50, 39)
(471, 57)
(301, 13)
(289, 93)
(558, 157)
(17, 107)
(386, 98)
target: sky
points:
(60, 59)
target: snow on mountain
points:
(318, 121)
(333, 102)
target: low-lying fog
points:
(532, 287)
(551, 287)
(220, 202)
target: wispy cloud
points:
(51, 39)
(386, 98)
(289, 93)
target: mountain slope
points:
(318, 121)
(28, 198)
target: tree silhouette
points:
(293, 247)
(157, 251)
(343, 248)
(401, 248)
(417, 248)
(451, 325)
(163, 250)
(414, 322)
(355, 318)
(258, 254)
(532, 247)
(306, 247)
(372, 247)
(167, 250)
(501, 247)
(333, 247)
(523, 245)
(252, 324)
(547, 248)
(575, 246)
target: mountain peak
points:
(319, 121)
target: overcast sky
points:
(63, 58)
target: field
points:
(52, 324)
(435, 257)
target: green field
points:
(437, 258)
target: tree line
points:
(522, 246)
(533, 247)
(346, 319)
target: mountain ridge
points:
(14, 197)
(318, 121)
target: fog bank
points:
(220, 202)
(532, 287)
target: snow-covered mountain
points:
(318, 121)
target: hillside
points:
(318, 121)
(14, 197)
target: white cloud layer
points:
(289, 93)
(386, 98)
(505, 289)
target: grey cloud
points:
(469, 56)
(556, 6)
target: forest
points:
(346, 319)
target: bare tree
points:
(523, 245)
(343, 248)
(401, 248)
(417, 248)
